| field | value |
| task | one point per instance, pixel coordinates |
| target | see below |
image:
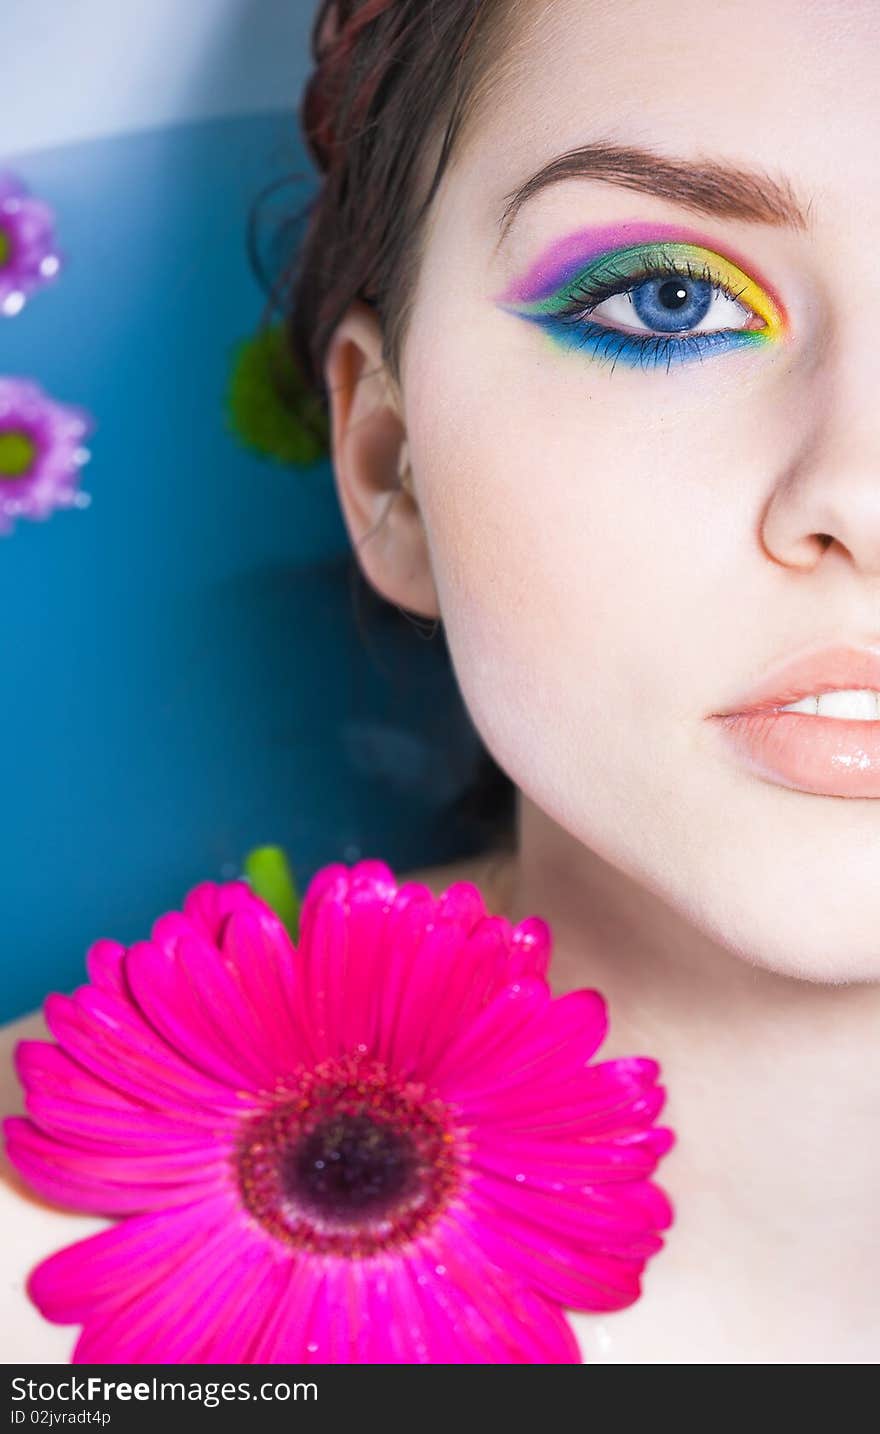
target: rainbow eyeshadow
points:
(582, 270)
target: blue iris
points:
(671, 303)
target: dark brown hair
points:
(393, 87)
(392, 81)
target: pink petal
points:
(555, 1047)
(394, 1327)
(114, 1265)
(173, 927)
(266, 1285)
(209, 904)
(65, 1100)
(282, 1335)
(104, 964)
(398, 971)
(108, 1036)
(373, 877)
(443, 971)
(629, 1208)
(455, 976)
(111, 1183)
(542, 1164)
(484, 1312)
(42, 1066)
(329, 1334)
(614, 1227)
(270, 975)
(578, 1277)
(91, 1128)
(641, 1196)
(351, 961)
(184, 1319)
(403, 935)
(187, 993)
(532, 945)
(232, 1011)
(410, 1308)
(608, 1096)
(490, 1042)
(367, 1314)
(264, 963)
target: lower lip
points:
(830, 756)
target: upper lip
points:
(829, 669)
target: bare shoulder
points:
(31, 1229)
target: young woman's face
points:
(629, 530)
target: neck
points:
(772, 1086)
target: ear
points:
(368, 445)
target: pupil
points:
(673, 304)
(673, 294)
(348, 1164)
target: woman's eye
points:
(651, 305)
(673, 304)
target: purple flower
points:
(28, 257)
(41, 452)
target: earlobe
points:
(368, 442)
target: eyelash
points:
(650, 348)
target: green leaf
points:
(268, 871)
(268, 405)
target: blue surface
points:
(183, 674)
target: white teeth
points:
(859, 706)
(806, 704)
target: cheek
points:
(563, 556)
(592, 535)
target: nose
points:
(829, 494)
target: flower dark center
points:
(17, 452)
(348, 1164)
(348, 1160)
(5, 247)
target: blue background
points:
(183, 674)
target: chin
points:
(787, 881)
(807, 930)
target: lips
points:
(827, 756)
(833, 669)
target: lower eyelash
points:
(609, 341)
(648, 346)
(650, 349)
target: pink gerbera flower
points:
(41, 452)
(383, 1144)
(28, 254)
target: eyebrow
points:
(712, 187)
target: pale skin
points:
(615, 555)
